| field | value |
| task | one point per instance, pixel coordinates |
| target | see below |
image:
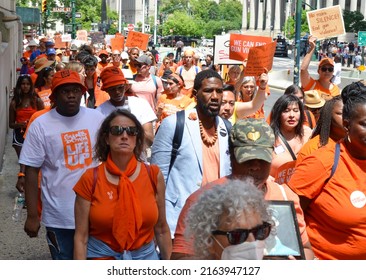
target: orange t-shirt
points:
(104, 199)
(336, 224)
(171, 106)
(314, 84)
(210, 163)
(312, 145)
(44, 94)
(185, 246)
(281, 154)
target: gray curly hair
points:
(230, 201)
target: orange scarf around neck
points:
(127, 218)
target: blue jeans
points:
(61, 243)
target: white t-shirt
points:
(337, 73)
(63, 148)
(138, 107)
(188, 75)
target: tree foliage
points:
(199, 17)
(353, 21)
(289, 26)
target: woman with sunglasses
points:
(229, 222)
(331, 184)
(120, 205)
(43, 85)
(165, 65)
(324, 83)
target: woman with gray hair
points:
(229, 222)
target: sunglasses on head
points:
(238, 236)
(329, 69)
(118, 130)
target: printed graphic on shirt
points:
(77, 149)
(44, 95)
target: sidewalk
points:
(14, 243)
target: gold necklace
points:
(207, 140)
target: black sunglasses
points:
(118, 130)
(329, 69)
(238, 236)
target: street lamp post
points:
(73, 23)
(297, 42)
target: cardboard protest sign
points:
(259, 58)
(117, 43)
(326, 23)
(137, 39)
(82, 35)
(240, 45)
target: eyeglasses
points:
(325, 69)
(118, 130)
(238, 236)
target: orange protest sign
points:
(117, 43)
(326, 23)
(260, 58)
(59, 44)
(137, 39)
(240, 45)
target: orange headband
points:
(178, 78)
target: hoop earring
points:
(349, 139)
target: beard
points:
(206, 110)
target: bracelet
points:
(21, 174)
(262, 88)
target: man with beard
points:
(203, 155)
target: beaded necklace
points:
(207, 140)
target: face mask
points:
(244, 251)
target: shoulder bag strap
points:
(335, 162)
(287, 146)
(177, 140)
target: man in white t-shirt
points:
(147, 86)
(115, 84)
(60, 144)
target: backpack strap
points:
(335, 162)
(310, 121)
(148, 169)
(177, 140)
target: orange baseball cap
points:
(112, 76)
(325, 61)
(103, 52)
(63, 77)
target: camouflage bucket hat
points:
(252, 139)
